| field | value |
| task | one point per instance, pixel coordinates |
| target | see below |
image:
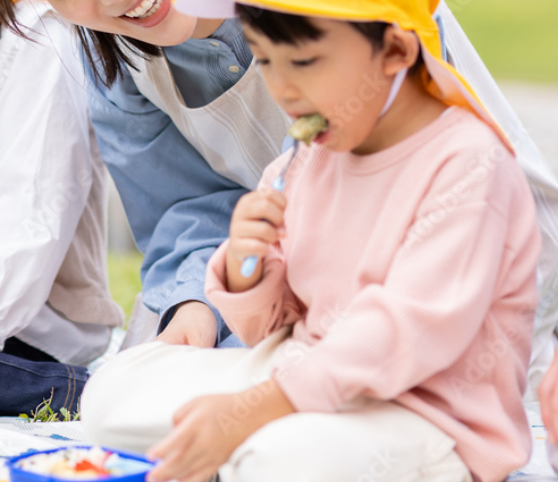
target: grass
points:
(45, 413)
(517, 39)
(124, 279)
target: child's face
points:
(162, 25)
(338, 76)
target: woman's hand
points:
(193, 323)
(548, 396)
(257, 223)
(208, 429)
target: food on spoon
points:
(308, 127)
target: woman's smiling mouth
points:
(145, 9)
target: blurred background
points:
(518, 41)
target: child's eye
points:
(304, 62)
(260, 62)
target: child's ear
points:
(401, 50)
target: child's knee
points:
(360, 447)
(291, 449)
(118, 406)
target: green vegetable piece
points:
(307, 128)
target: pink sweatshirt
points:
(409, 275)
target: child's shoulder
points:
(466, 141)
(471, 158)
(464, 130)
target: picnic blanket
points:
(18, 436)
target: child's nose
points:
(283, 91)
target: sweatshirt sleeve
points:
(255, 314)
(437, 294)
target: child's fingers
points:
(274, 196)
(174, 464)
(181, 413)
(242, 248)
(180, 436)
(261, 205)
(179, 465)
(263, 209)
(259, 230)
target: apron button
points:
(235, 69)
(215, 44)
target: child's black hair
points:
(293, 29)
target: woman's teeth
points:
(146, 9)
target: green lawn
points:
(517, 39)
(124, 280)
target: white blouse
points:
(53, 196)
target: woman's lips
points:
(153, 19)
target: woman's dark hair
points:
(8, 17)
(293, 29)
(108, 53)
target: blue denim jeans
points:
(28, 376)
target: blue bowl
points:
(134, 467)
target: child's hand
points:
(208, 429)
(257, 223)
(199, 442)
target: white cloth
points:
(542, 180)
(129, 403)
(53, 196)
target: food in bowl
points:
(78, 463)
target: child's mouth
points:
(321, 138)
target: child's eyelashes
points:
(304, 62)
(296, 63)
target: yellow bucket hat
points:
(444, 82)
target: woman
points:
(183, 136)
(56, 312)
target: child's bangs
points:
(294, 29)
(279, 27)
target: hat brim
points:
(206, 8)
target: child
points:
(391, 309)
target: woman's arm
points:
(178, 207)
(46, 163)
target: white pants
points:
(129, 404)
